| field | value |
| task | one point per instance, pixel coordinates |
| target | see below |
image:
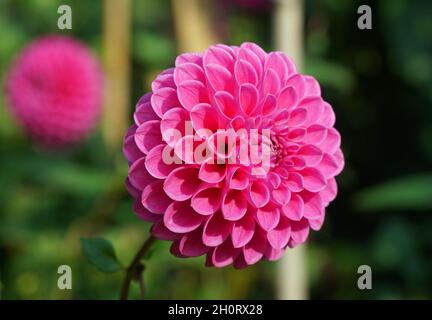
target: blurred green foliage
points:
(378, 82)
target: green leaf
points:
(100, 253)
(410, 192)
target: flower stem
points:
(135, 269)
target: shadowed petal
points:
(234, 205)
(268, 217)
(243, 231)
(179, 217)
(154, 198)
(216, 230)
(207, 201)
(182, 183)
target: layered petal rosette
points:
(233, 155)
(54, 88)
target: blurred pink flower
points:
(54, 88)
(271, 157)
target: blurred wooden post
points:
(192, 25)
(116, 48)
(288, 29)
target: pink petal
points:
(224, 254)
(212, 172)
(148, 136)
(274, 179)
(207, 201)
(189, 57)
(288, 98)
(279, 236)
(234, 205)
(245, 73)
(251, 57)
(298, 83)
(154, 198)
(185, 149)
(248, 98)
(312, 86)
(155, 163)
(216, 230)
(299, 230)
(223, 144)
(261, 54)
(332, 142)
(219, 78)
(313, 180)
(328, 166)
(191, 244)
(269, 105)
(163, 80)
(239, 262)
(130, 149)
(273, 254)
(218, 56)
(271, 83)
(175, 249)
(179, 217)
(188, 71)
(174, 125)
(138, 175)
(291, 68)
(255, 249)
(268, 217)
(237, 123)
(226, 104)
(316, 224)
(259, 194)
(143, 113)
(239, 179)
(294, 209)
(313, 206)
(338, 155)
(315, 134)
(160, 231)
(297, 134)
(243, 231)
(203, 117)
(295, 182)
(163, 100)
(275, 62)
(191, 92)
(281, 195)
(310, 154)
(182, 183)
(297, 117)
(330, 192)
(133, 191)
(328, 118)
(314, 107)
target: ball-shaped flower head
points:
(233, 155)
(54, 88)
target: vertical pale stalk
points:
(192, 25)
(288, 28)
(116, 46)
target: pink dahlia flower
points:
(233, 155)
(54, 88)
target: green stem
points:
(135, 269)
